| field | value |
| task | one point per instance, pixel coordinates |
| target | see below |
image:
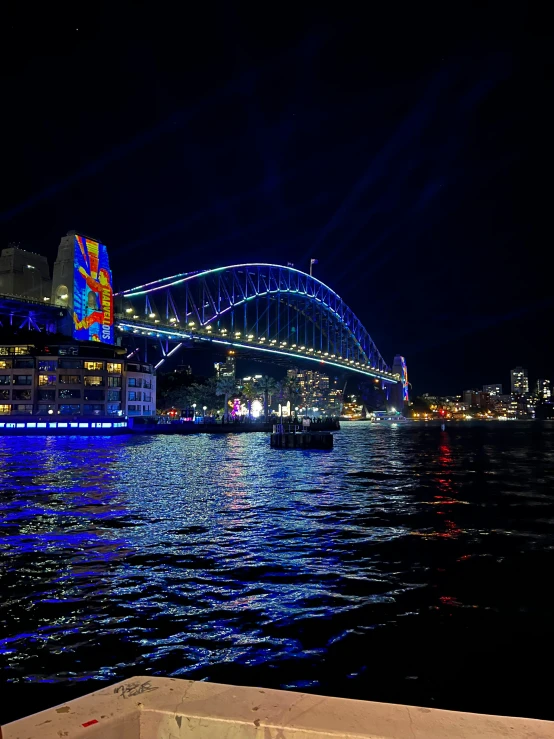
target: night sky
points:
(409, 151)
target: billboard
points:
(93, 313)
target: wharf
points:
(167, 707)
(296, 437)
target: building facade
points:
(519, 379)
(476, 398)
(318, 393)
(493, 390)
(82, 380)
(227, 368)
(543, 389)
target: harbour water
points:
(408, 565)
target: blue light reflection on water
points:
(217, 556)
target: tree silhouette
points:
(250, 392)
(289, 390)
(268, 386)
(226, 386)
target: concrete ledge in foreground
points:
(166, 708)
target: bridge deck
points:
(171, 332)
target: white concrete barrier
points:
(165, 708)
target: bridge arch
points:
(264, 307)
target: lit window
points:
(95, 366)
(114, 367)
(47, 379)
(93, 380)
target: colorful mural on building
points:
(93, 314)
(405, 384)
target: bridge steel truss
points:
(19, 312)
(264, 307)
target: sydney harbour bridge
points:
(266, 308)
(263, 310)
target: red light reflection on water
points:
(445, 495)
(447, 490)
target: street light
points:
(194, 411)
(204, 408)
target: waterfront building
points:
(493, 390)
(507, 406)
(519, 379)
(74, 379)
(543, 389)
(319, 394)
(470, 398)
(476, 398)
(334, 400)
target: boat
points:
(392, 418)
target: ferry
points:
(389, 418)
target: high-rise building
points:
(543, 389)
(519, 381)
(227, 368)
(319, 394)
(507, 405)
(493, 390)
(470, 397)
(476, 398)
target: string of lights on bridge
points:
(225, 337)
(267, 308)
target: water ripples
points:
(380, 570)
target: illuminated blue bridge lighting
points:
(259, 308)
